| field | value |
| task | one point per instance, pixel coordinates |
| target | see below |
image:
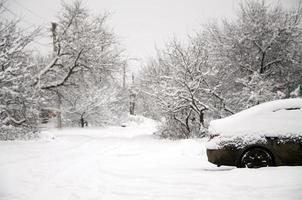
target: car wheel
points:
(255, 158)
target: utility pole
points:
(59, 101)
(124, 75)
(132, 79)
(54, 37)
(132, 92)
(132, 98)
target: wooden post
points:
(59, 102)
(132, 103)
(124, 75)
(132, 98)
(59, 116)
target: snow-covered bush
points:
(180, 89)
(95, 106)
(297, 92)
(18, 133)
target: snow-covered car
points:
(269, 134)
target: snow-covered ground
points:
(130, 163)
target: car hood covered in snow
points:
(275, 118)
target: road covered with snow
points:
(129, 162)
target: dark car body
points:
(268, 134)
(283, 151)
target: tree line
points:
(228, 66)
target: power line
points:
(32, 12)
(11, 12)
(42, 44)
(17, 16)
(27, 22)
(30, 25)
(27, 9)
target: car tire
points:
(256, 158)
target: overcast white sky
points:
(140, 24)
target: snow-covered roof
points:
(275, 118)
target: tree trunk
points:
(201, 118)
(82, 121)
(132, 106)
(262, 68)
(188, 125)
(59, 114)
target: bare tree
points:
(257, 56)
(180, 82)
(18, 97)
(87, 53)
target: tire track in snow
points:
(64, 181)
(42, 155)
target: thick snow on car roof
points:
(275, 118)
